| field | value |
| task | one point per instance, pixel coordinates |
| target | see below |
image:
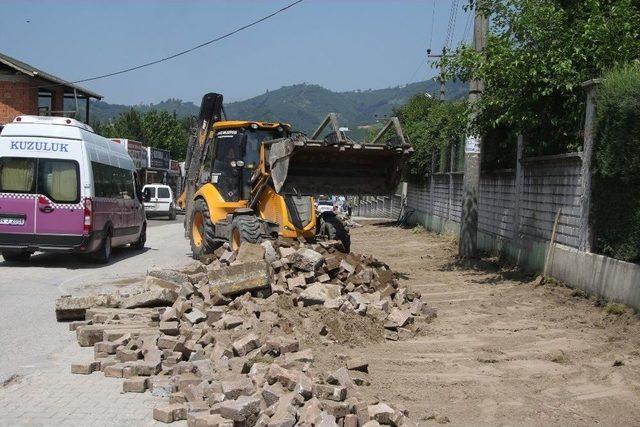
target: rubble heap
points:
(230, 340)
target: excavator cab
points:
(236, 157)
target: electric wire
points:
(466, 27)
(422, 60)
(184, 52)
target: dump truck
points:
(248, 180)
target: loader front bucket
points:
(309, 167)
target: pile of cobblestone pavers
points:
(233, 339)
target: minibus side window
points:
(17, 175)
(126, 184)
(112, 182)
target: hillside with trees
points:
(302, 105)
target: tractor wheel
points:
(244, 228)
(333, 229)
(202, 237)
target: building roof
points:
(34, 72)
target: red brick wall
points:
(17, 98)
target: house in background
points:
(25, 89)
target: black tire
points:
(333, 229)
(172, 214)
(247, 228)
(209, 242)
(16, 256)
(103, 255)
(138, 245)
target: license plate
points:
(11, 221)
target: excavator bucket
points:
(337, 165)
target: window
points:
(163, 193)
(17, 175)
(112, 182)
(59, 180)
(151, 191)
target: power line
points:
(466, 27)
(184, 52)
(455, 21)
(433, 16)
(446, 37)
(422, 61)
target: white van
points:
(158, 200)
(64, 188)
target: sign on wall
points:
(137, 151)
(158, 158)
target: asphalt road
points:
(29, 331)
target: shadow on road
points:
(72, 261)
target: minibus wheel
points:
(103, 255)
(139, 244)
(16, 256)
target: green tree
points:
(162, 129)
(615, 211)
(153, 128)
(129, 125)
(538, 54)
(432, 126)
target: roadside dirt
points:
(502, 351)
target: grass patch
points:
(579, 293)
(559, 357)
(418, 229)
(615, 308)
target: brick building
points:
(25, 89)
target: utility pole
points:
(468, 243)
(441, 79)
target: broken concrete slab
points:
(330, 392)
(306, 259)
(381, 413)
(150, 298)
(250, 252)
(246, 344)
(170, 413)
(240, 410)
(74, 308)
(318, 293)
(85, 368)
(240, 278)
(169, 275)
(358, 365)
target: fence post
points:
(431, 177)
(518, 188)
(586, 234)
(452, 152)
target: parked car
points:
(158, 201)
(64, 188)
(325, 204)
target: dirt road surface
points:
(502, 351)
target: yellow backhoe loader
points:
(250, 180)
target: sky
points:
(341, 45)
